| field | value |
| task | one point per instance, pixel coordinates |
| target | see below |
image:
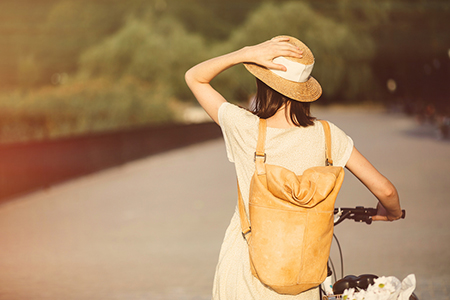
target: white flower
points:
(349, 294)
(384, 288)
(361, 295)
(408, 286)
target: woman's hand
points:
(198, 78)
(264, 53)
(384, 215)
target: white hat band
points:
(296, 72)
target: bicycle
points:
(358, 214)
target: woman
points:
(294, 140)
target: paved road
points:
(152, 229)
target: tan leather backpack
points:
(290, 225)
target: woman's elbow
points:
(188, 76)
(192, 79)
(389, 191)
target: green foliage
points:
(153, 49)
(81, 107)
(342, 56)
(199, 16)
(73, 25)
(54, 33)
(129, 57)
(28, 71)
(361, 15)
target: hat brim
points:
(308, 91)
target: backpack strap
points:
(260, 155)
(245, 224)
(326, 129)
(260, 159)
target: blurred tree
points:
(155, 49)
(199, 17)
(54, 33)
(74, 25)
(361, 15)
(20, 29)
(342, 56)
(28, 71)
(412, 49)
(376, 40)
(82, 107)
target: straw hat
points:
(296, 83)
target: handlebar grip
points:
(402, 217)
(373, 211)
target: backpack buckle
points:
(259, 155)
(244, 234)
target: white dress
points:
(296, 149)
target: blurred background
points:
(86, 85)
(73, 67)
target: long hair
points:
(268, 101)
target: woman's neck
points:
(281, 119)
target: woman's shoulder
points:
(341, 144)
(239, 128)
(234, 116)
(333, 127)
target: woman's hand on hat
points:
(264, 53)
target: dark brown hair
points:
(268, 101)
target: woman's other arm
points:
(198, 78)
(389, 206)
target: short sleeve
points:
(341, 145)
(238, 126)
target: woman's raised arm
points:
(198, 78)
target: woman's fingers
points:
(286, 48)
(379, 218)
(263, 54)
(384, 218)
(381, 213)
(286, 53)
(275, 66)
(384, 215)
(280, 39)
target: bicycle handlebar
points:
(359, 214)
